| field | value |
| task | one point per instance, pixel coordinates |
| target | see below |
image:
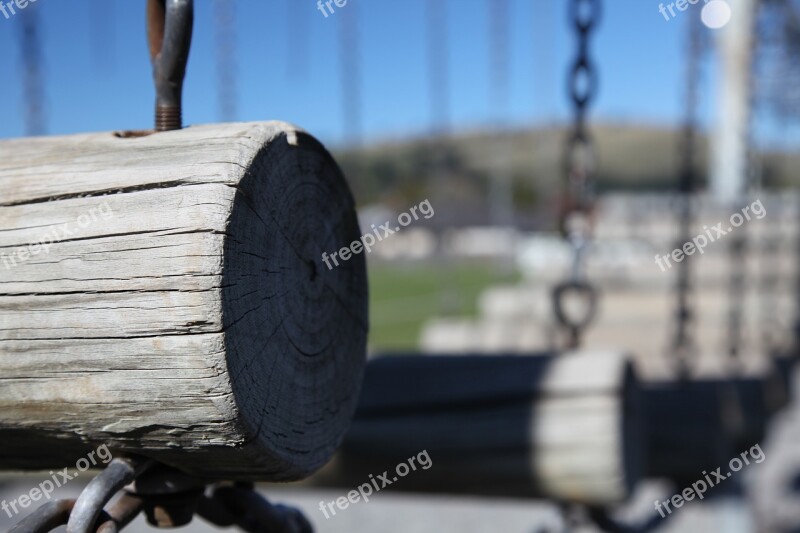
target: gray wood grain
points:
(178, 306)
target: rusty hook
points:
(169, 33)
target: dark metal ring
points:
(588, 22)
(46, 518)
(583, 67)
(582, 289)
(580, 154)
(100, 490)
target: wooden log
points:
(760, 399)
(699, 425)
(177, 305)
(687, 430)
(564, 427)
(784, 361)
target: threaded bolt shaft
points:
(168, 118)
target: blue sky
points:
(109, 87)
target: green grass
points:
(404, 297)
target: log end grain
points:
(295, 329)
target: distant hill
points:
(630, 157)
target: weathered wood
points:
(188, 316)
(563, 426)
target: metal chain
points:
(297, 61)
(683, 348)
(579, 169)
(738, 251)
(31, 52)
(737, 289)
(796, 273)
(771, 257)
(168, 498)
(88, 513)
(239, 505)
(501, 198)
(225, 38)
(583, 87)
(437, 55)
(436, 34)
(499, 54)
(349, 58)
(772, 249)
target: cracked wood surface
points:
(180, 308)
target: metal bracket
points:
(169, 32)
(168, 497)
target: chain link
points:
(32, 77)
(683, 348)
(579, 169)
(583, 86)
(739, 245)
(226, 55)
(350, 72)
(169, 499)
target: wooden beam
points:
(700, 424)
(558, 426)
(165, 295)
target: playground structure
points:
(209, 347)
